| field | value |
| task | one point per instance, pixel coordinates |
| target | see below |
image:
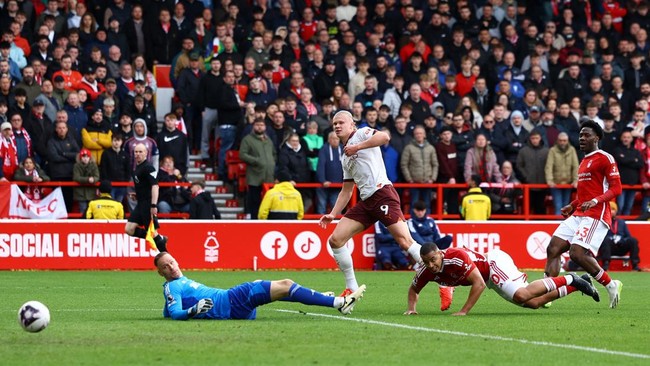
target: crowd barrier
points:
(437, 209)
(239, 244)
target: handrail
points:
(437, 211)
(76, 184)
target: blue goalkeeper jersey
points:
(183, 293)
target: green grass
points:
(114, 318)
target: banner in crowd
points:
(5, 197)
(238, 244)
(51, 206)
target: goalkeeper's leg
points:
(287, 290)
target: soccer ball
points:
(33, 316)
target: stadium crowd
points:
(489, 88)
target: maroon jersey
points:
(598, 178)
(457, 264)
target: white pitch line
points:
(472, 335)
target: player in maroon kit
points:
(496, 270)
(589, 216)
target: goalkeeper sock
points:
(308, 296)
(140, 233)
(343, 258)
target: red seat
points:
(232, 157)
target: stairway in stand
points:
(226, 201)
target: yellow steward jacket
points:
(476, 205)
(282, 202)
(105, 207)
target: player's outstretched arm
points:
(412, 301)
(478, 285)
(341, 201)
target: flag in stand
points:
(149, 237)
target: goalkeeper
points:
(186, 299)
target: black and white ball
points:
(33, 316)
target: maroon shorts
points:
(384, 206)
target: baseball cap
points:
(58, 79)
(89, 70)
(330, 61)
(5, 126)
(110, 81)
(569, 37)
(38, 103)
(535, 109)
(194, 56)
(84, 152)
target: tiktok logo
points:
(274, 245)
(307, 245)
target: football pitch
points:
(115, 318)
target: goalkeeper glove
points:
(201, 307)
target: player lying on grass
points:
(463, 267)
(186, 299)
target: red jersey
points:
(598, 178)
(457, 264)
(71, 80)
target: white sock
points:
(414, 251)
(343, 259)
(338, 302)
(569, 279)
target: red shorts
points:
(384, 206)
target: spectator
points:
(391, 159)
(85, 172)
(419, 164)
(62, 151)
(21, 137)
(115, 166)
(293, 160)
(202, 206)
(395, 96)
(482, 161)
(630, 162)
(328, 171)
(29, 171)
(463, 138)
(619, 242)
(8, 151)
(187, 88)
(515, 137)
(164, 39)
(283, 201)
(174, 198)
(423, 228)
(71, 78)
(531, 162)
(104, 207)
(313, 143)
(76, 116)
(258, 152)
(448, 171)
(476, 205)
(504, 198)
(172, 142)
(388, 253)
(209, 86)
(561, 168)
(401, 136)
(96, 136)
(230, 116)
(90, 85)
(140, 137)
